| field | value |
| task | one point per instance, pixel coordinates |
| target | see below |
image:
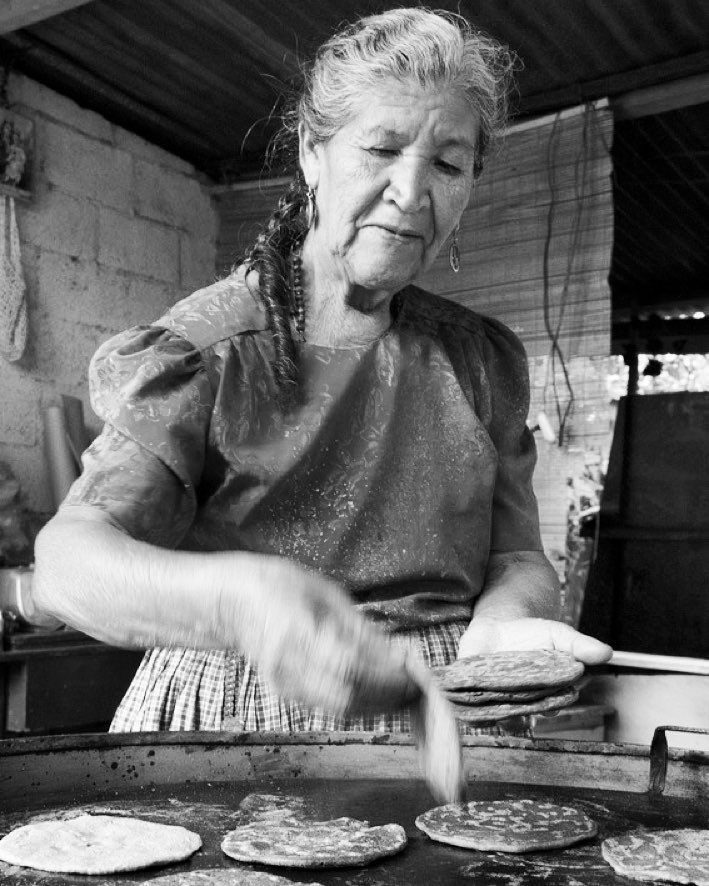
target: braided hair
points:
(436, 49)
(269, 257)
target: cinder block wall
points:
(117, 231)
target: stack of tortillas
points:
(484, 689)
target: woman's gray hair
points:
(437, 49)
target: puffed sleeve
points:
(515, 519)
(150, 387)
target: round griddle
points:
(198, 780)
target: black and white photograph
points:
(354, 442)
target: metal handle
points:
(658, 755)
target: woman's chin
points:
(384, 263)
(385, 278)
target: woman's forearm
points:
(299, 626)
(520, 584)
(95, 578)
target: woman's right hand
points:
(300, 628)
(313, 646)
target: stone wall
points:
(117, 230)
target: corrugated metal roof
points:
(202, 79)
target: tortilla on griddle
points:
(97, 844)
(510, 671)
(679, 856)
(507, 825)
(271, 807)
(340, 842)
(493, 713)
(224, 877)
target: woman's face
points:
(392, 183)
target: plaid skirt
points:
(214, 690)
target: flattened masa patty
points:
(510, 671)
(224, 877)
(492, 713)
(341, 842)
(270, 807)
(97, 844)
(679, 856)
(507, 825)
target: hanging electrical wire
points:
(553, 326)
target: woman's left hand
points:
(487, 634)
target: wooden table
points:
(60, 681)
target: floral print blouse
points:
(403, 464)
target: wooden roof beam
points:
(15, 14)
(662, 97)
(667, 85)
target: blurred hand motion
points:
(314, 647)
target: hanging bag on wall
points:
(13, 306)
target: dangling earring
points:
(311, 210)
(454, 252)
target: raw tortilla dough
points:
(270, 807)
(97, 844)
(224, 877)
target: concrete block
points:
(61, 350)
(18, 416)
(97, 295)
(84, 166)
(29, 94)
(138, 246)
(148, 300)
(174, 199)
(84, 292)
(139, 147)
(60, 223)
(197, 262)
(29, 467)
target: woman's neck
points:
(338, 314)
(332, 322)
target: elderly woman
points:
(313, 454)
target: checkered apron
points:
(190, 689)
